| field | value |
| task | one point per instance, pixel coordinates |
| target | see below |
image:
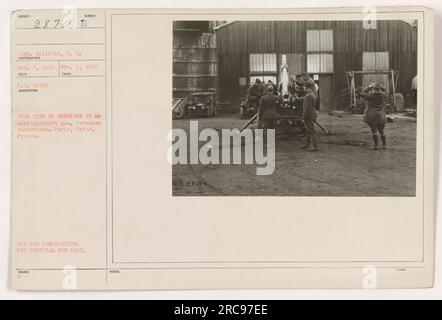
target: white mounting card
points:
(129, 170)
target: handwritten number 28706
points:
(53, 24)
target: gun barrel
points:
(249, 122)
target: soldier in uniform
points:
(267, 110)
(270, 84)
(309, 117)
(374, 114)
(306, 77)
(255, 93)
(414, 90)
(292, 86)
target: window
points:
(375, 61)
(263, 79)
(320, 63)
(263, 67)
(263, 63)
(319, 51)
(319, 40)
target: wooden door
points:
(325, 92)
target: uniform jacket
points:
(309, 107)
(375, 111)
(314, 85)
(275, 88)
(267, 108)
(255, 91)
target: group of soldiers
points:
(267, 97)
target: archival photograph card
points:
(222, 148)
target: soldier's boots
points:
(376, 142)
(314, 146)
(384, 141)
(307, 142)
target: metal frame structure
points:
(392, 78)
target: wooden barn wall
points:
(195, 62)
(239, 39)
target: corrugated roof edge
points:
(232, 22)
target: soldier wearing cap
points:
(270, 84)
(374, 114)
(306, 77)
(267, 110)
(255, 93)
(309, 117)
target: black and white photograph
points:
(294, 108)
(301, 153)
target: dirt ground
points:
(335, 170)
